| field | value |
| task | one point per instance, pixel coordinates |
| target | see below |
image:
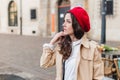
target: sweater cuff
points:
(48, 45)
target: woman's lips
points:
(64, 29)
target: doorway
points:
(63, 6)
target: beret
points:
(82, 17)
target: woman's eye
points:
(66, 21)
(69, 21)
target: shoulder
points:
(95, 45)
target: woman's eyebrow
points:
(68, 19)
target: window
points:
(12, 14)
(109, 7)
(33, 13)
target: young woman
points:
(75, 56)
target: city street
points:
(20, 55)
(24, 30)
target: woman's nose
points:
(63, 24)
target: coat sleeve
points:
(47, 58)
(98, 66)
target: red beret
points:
(82, 17)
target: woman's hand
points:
(56, 37)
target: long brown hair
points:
(65, 41)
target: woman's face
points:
(67, 24)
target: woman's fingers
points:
(56, 37)
(60, 34)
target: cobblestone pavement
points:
(20, 55)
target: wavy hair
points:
(65, 41)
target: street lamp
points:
(20, 17)
(103, 29)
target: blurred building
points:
(44, 18)
(20, 17)
(112, 19)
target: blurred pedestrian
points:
(75, 56)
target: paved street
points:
(20, 55)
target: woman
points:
(76, 57)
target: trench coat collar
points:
(85, 41)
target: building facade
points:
(44, 18)
(20, 17)
(112, 19)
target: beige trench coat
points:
(89, 64)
